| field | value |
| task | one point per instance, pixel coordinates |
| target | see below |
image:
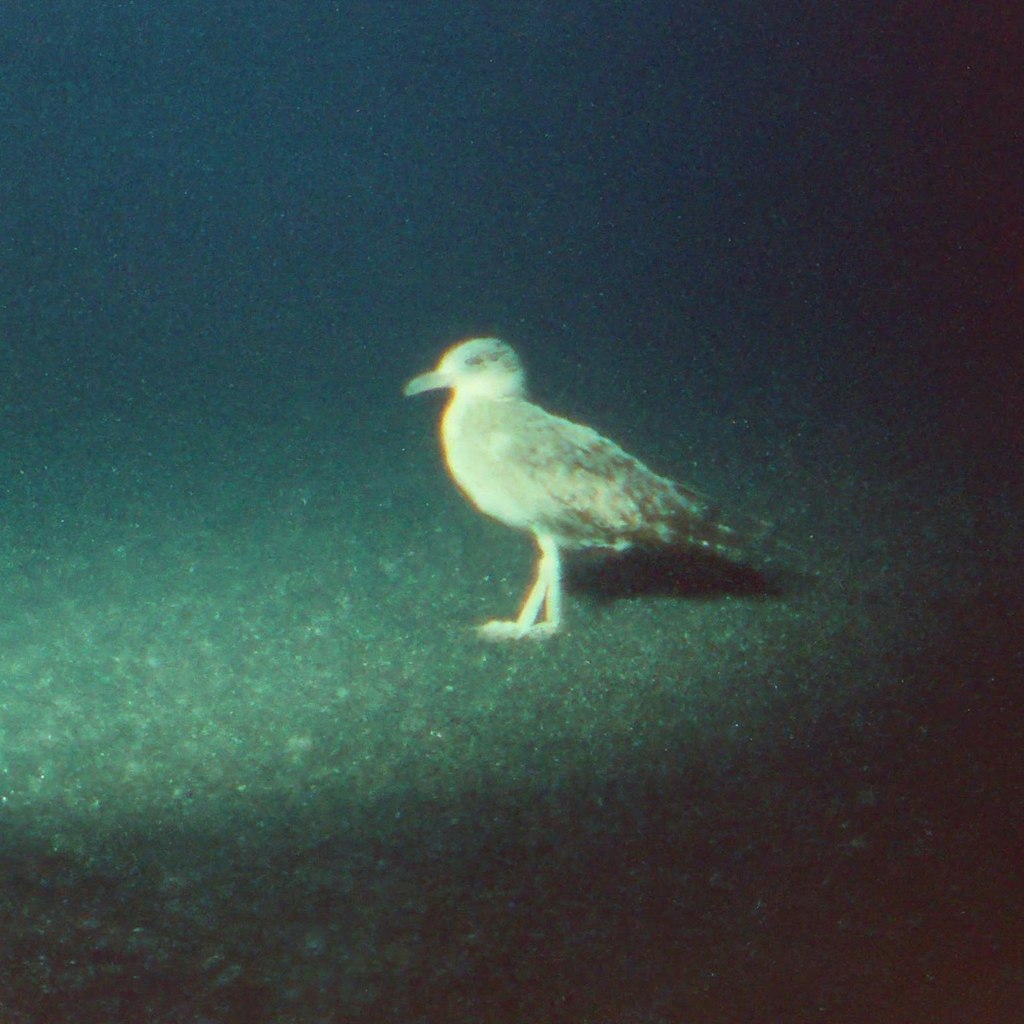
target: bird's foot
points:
(498, 630)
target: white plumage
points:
(561, 481)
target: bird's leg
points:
(546, 591)
(551, 567)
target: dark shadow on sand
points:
(672, 572)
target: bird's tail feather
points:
(702, 523)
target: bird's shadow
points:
(687, 573)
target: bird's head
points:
(484, 367)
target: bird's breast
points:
(477, 447)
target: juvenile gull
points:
(558, 480)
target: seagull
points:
(558, 480)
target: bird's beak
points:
(430, 381)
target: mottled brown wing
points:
(586, 490)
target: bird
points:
(556, 479)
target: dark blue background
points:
(198, 196)
(781, 240)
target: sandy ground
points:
(255, 767)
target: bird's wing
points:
(564, 479)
